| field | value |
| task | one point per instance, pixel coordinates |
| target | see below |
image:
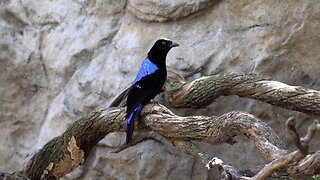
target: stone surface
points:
(60, 60)
(165, 10)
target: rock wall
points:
(60, 60)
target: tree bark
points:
(297, 164)
(63, 153)
(203, 91)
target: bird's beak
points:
(174, 45)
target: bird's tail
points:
(130, 122)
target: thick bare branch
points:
(62, 154)
(203, 91)
(308, 166)
(278, 164)
(215, 129)
(295, 156)
(298, 164)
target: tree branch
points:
(63, 153)
(295, 156)
(203, 91)
(298, 163)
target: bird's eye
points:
(163, 43)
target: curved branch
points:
(308, 166)
(63, 153)
(295, 156)
(296, 164)
(215, 129)
(203, 91)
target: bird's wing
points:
(139, 94)
(142, 85)
(147, 67)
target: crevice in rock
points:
(41, 56)
(252, 27)
(169, 12)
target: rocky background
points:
(60, 60)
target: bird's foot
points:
(152, 101)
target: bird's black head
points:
(160, 49)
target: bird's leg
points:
(156, 101)
(152, 101)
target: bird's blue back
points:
(147, 67)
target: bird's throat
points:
(158, 59)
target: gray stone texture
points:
(60, 60)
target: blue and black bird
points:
(148, 83)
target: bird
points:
(148, 82)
